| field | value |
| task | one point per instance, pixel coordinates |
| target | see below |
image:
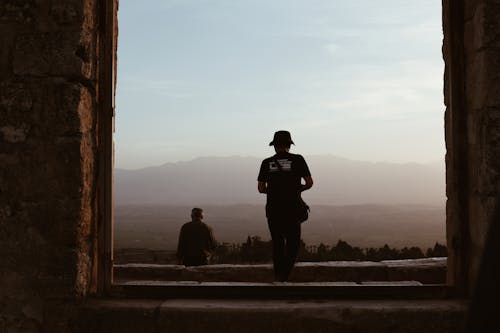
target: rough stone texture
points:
(473, 183)
(427, 271)
(481, 91)
(19, 11)
(47, 160)
(272, 316)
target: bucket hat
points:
(281, 137)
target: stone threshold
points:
(261, 284)
(236, 315)
(283, 290)
(425, 271)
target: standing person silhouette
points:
(196, 241)
(283, 184)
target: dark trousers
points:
(285, 234)
(195, 261)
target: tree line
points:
(255, 250)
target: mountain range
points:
(233, 180)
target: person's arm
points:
(180, 247)
(306, 174)
(262, 187)
(262, 178)
(309, 183)
(213, 242)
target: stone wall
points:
(47, 158)
(472, 95)
(482, 102)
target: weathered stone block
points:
(483, 30)
(14, 134)
(482, 84)
(66, 104)
(473, 37)
(43, 110)
(304, 316)
(6, 47)
(22, 11)
(47, 153)
(24, 254)
(484, 152)
(430, 270)
(177, 315)
(65, 12)
(426, 271)
(41, 173)
(116, 316)
(14, 97)
(53, 54)
(471, 7)
(90, 20)
(59, 316)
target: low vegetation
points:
(257, 251)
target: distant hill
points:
(232, 180)
(157, 227)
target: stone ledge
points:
(426, 271)
(381, 290)
(181, 315)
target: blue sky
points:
(360, 79)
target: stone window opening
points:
(56, 188)
(104, 274)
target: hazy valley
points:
(366, 204)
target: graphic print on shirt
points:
(286, 165)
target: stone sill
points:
(423, 271)
(190, 315)
(281, 290)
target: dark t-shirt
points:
(283, 186)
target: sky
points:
(359, 79)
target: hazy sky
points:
(360, 79)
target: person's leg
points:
(292, 246)
(278, 240)
(195, 261)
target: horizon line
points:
(261, 158)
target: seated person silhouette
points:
(196, 241)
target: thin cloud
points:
(324, 69)
(168, 88)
